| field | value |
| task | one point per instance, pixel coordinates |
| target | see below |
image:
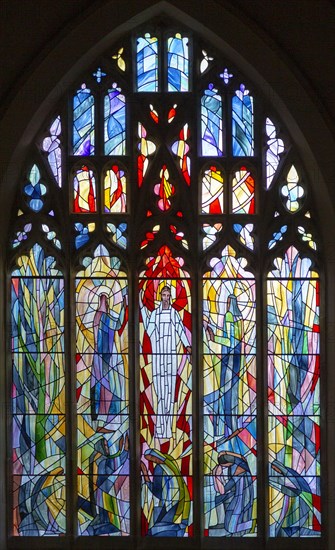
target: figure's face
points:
(166, 295)
(104, 301)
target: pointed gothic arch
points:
(246, 237)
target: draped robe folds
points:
(224, 400)
(106, 387)
(165, 330)
(234, 501)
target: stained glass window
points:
(178, 71)
(165, 308)
(115, 190)
(212, 191)
(166, 397)
(147, 63)
(115, 122)
(102, 397)
(83, 122)
(294, 397)
(52, 146)
(38, 396)
(229, 400)
(84, 189)
(243, 191)
(243, 123)
(211, 122)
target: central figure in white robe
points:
(166, 331)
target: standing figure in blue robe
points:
(106, 380)
(224, 402)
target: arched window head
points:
(165, 295)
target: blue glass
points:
(35, 190)
(242, 123)
(178, 64)
(277, 236)
(211, 123)
(147, 63)
(119, 234)
(83, 122)
(115, 122)
(83, 234)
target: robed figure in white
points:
(166, 331)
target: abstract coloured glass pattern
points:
(212, 191)
(243, 192)
(35, 190)
(21, 235)
(307, 237)
(293, 194)
(119, 233)
(274, 150)
(147, 63)
(205, 62)
(211, 123)
(244, 233)
(115, 122)
(229, 371)
(294, 397)
(179, 236)
(178, 64)
(242, 123)
(150, 236)
(211, 234)
(181, 149)
(146, 148)
(115, 190)
(164, 190)
(83, 122)
(83, 233)
(277, 236)
(120, 61)
(51, 145)
(102, 397)
(165, 397)
(38, 396)
(172, 113)
(84, 191)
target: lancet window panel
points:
(164, 308)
